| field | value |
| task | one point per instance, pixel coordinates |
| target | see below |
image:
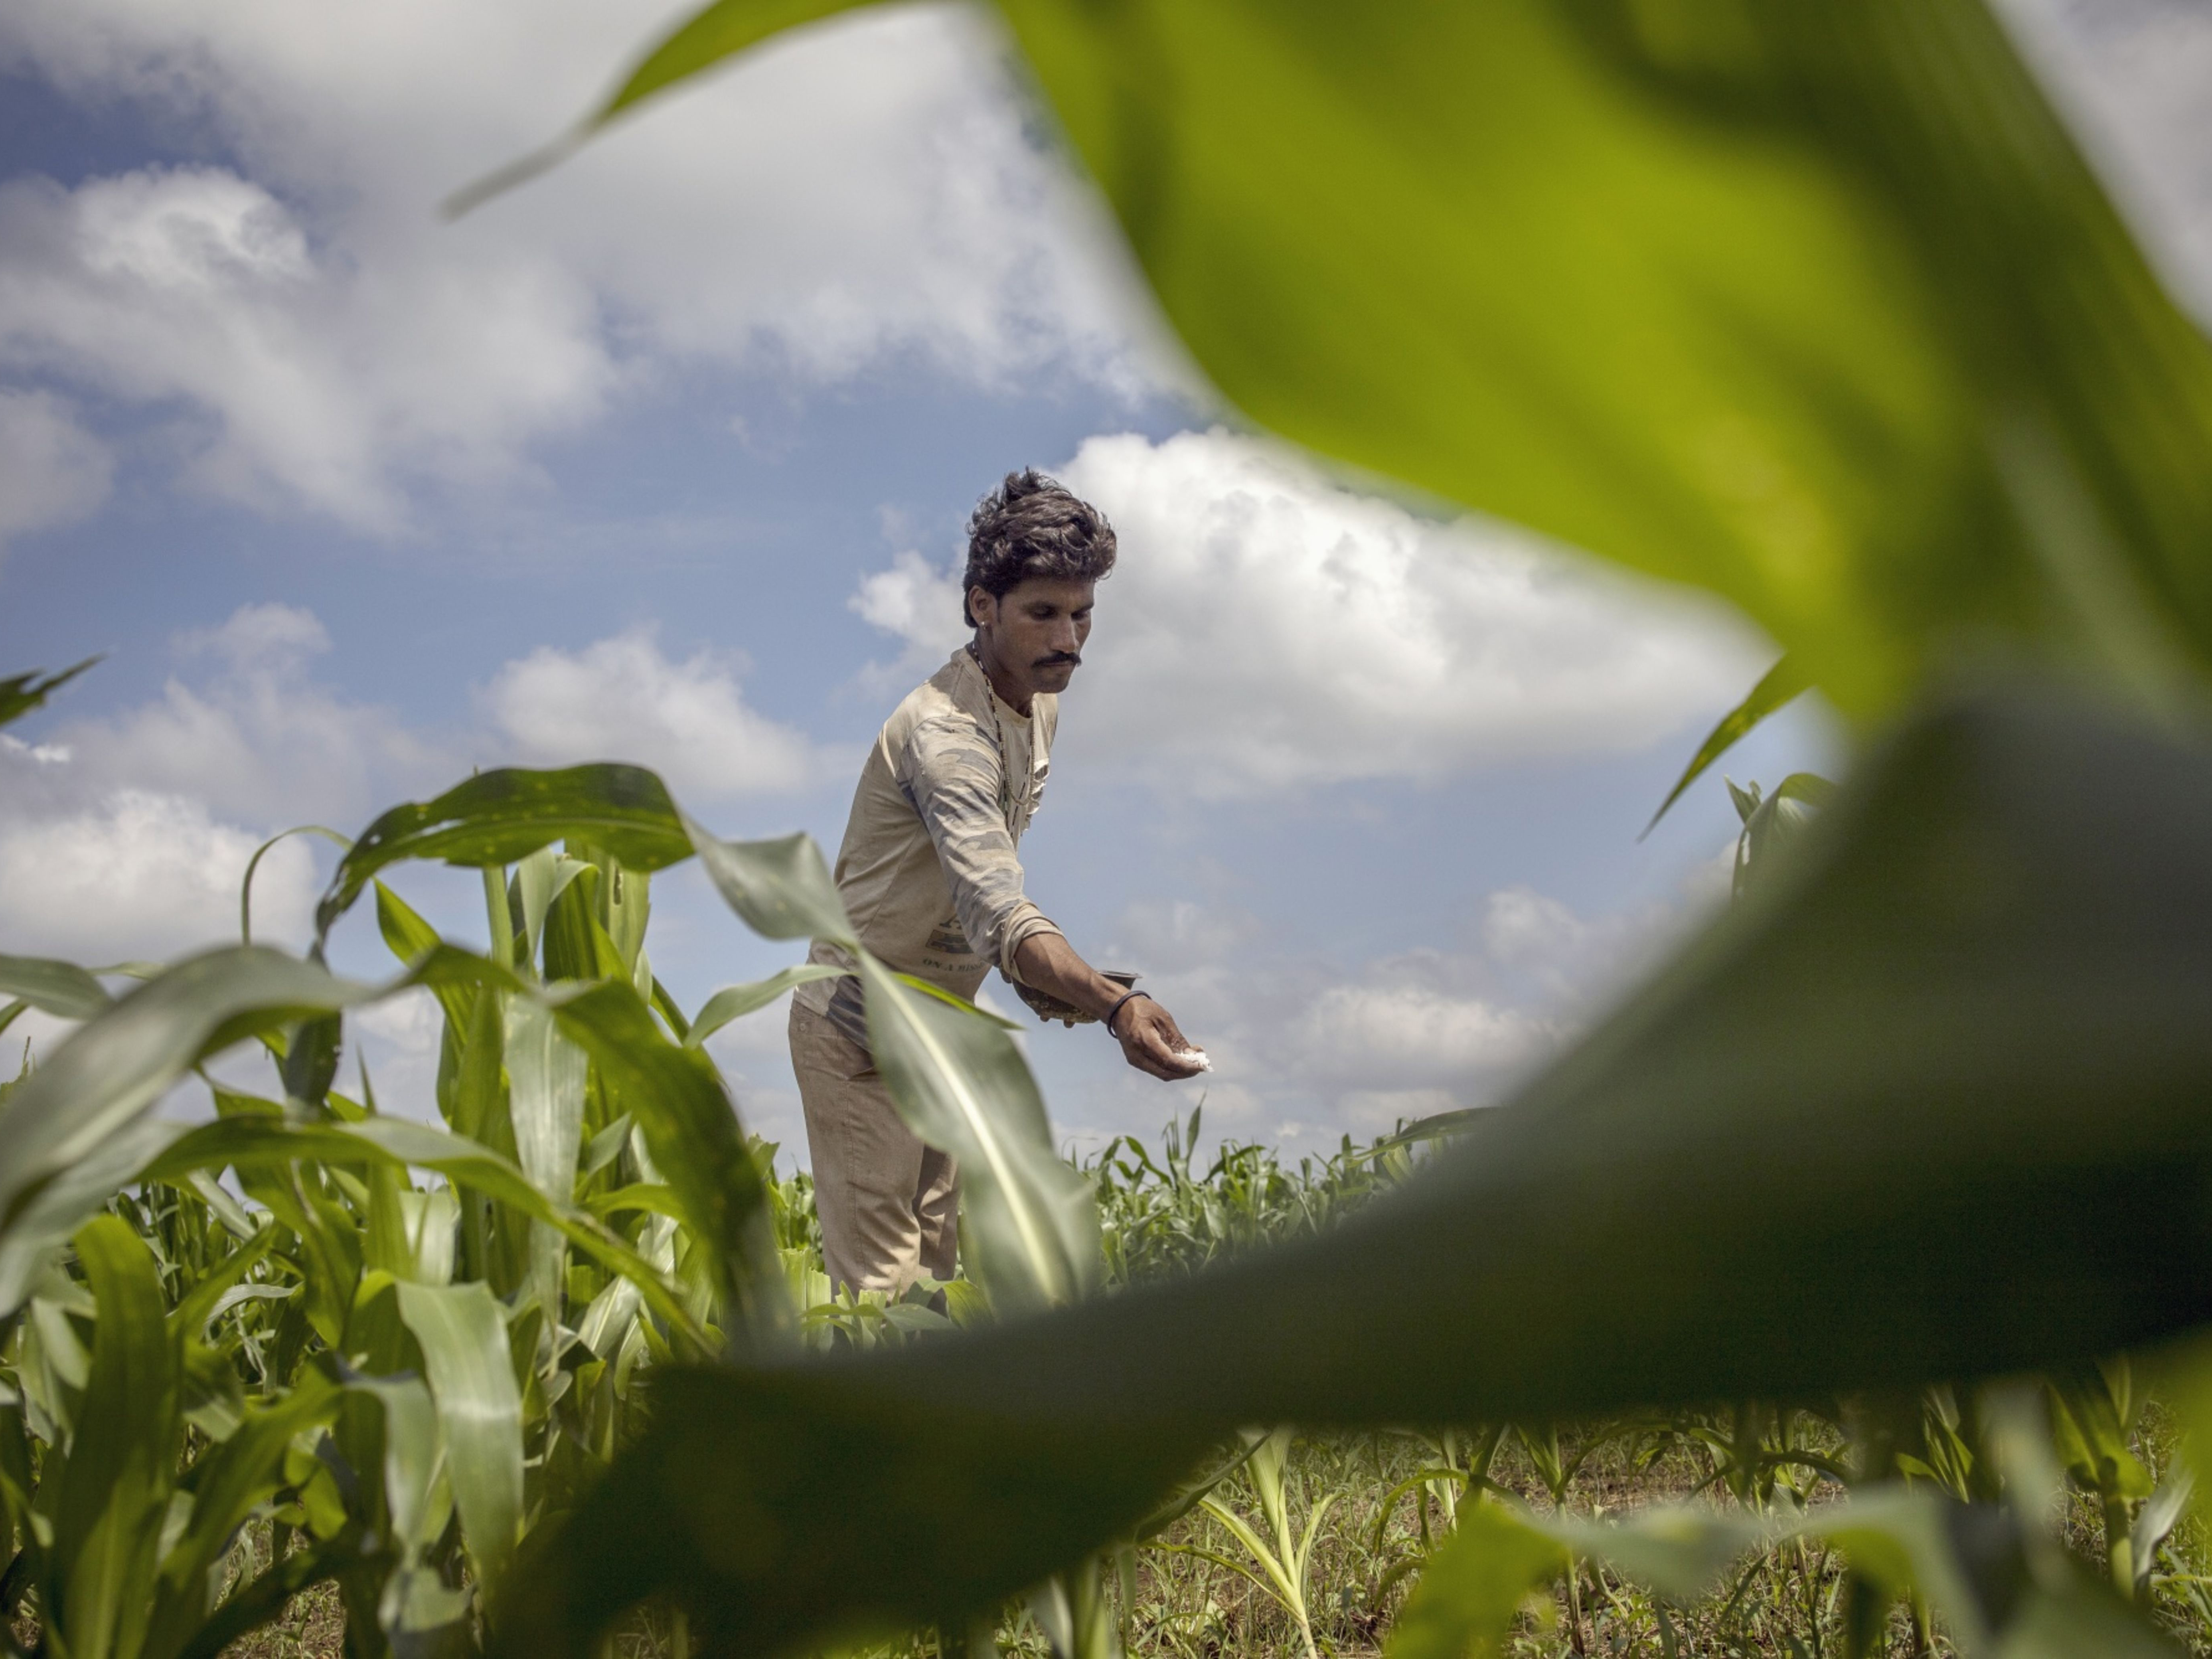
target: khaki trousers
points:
(889, 1207)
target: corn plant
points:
(1817, 306)
(1276, 1559)
(397, 1374)
(1771, 822)
(1166, 1215)
(1862, 347)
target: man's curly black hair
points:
(1032, 526)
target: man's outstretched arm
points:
(1151, 1040)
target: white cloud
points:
(42, 754)
(621, 699)
(1305, 1048)
(269, 637)
(1576, 959)
(869, 188)
(258, 739)
(127, 836)
(917, 601)
(1414, 1034)
(1268, 628)
(312, 383)
(51, 469)
(140, 874)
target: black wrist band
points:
(1126, 996)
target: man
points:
(929, 875)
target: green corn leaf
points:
(1032, 1216)
(1728, 321)
(409, 1459)
(63, 1202)
(2065, 1623)
(576, 943)
(540, 879)
(736, 1001)
(1268, 1570)
(464, 1338)
(920, 987)
(653, 1197)
(664, 1006)
(699, 43)
(409, 939)
(60, 988)
(189, 1319)
(1955, 967)
(1971, 1564)
(626, 896)
(781, 888)
(478, 1105)
(497, 817)
(546, 1073)
(707, 38)
(1472, 1586)
(606, 1146)
(115, 1489)
(310, 1064)
(228, 1210)
(2092, 1437)
(751, 1507)
(404, 932)
(1773, 823)
(385, 1247)
(433, 1220)
(113, 1068)
(1780, 684)
(233, 1481)
(1440, 1127)
(677, 1100)
(2164, 1511)
(250, 1143)
(22, 693)
(962, 1085)
(253, 864)
(265, 1599)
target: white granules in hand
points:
(1194, 1057)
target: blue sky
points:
(666, 458)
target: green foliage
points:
(1781, 684)
(22, 693)
(1945, 906)
(496, 818)
(416, 1373)
(1164, 1217)
(1815, 305)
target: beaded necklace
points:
(998, 743)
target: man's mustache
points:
(1073, 658)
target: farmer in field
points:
(929, 875)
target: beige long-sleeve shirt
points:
(928, 869)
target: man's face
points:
(1034, 632)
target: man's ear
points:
(983, 607)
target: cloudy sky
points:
(665, 457)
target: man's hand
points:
(1151, 1040)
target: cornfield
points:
(1840, 1292)
(333, 1386)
